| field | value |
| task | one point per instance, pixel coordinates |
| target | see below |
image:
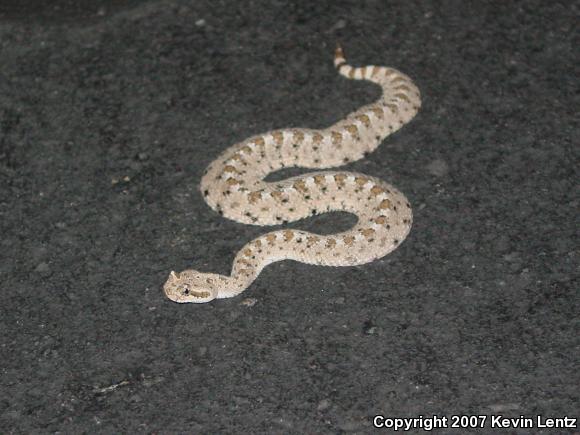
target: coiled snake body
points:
(234, 186)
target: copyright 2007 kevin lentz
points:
(433, 422)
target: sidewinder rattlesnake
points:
(234, 186)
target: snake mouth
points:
(199, 297)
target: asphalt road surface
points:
(111, 111)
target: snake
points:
(234, 186)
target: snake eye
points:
(185, 290)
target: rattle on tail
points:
(234, 186)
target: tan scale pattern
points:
(234, 186)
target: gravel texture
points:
(109, 113)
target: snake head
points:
(191, 286)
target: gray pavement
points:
(109, 113)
